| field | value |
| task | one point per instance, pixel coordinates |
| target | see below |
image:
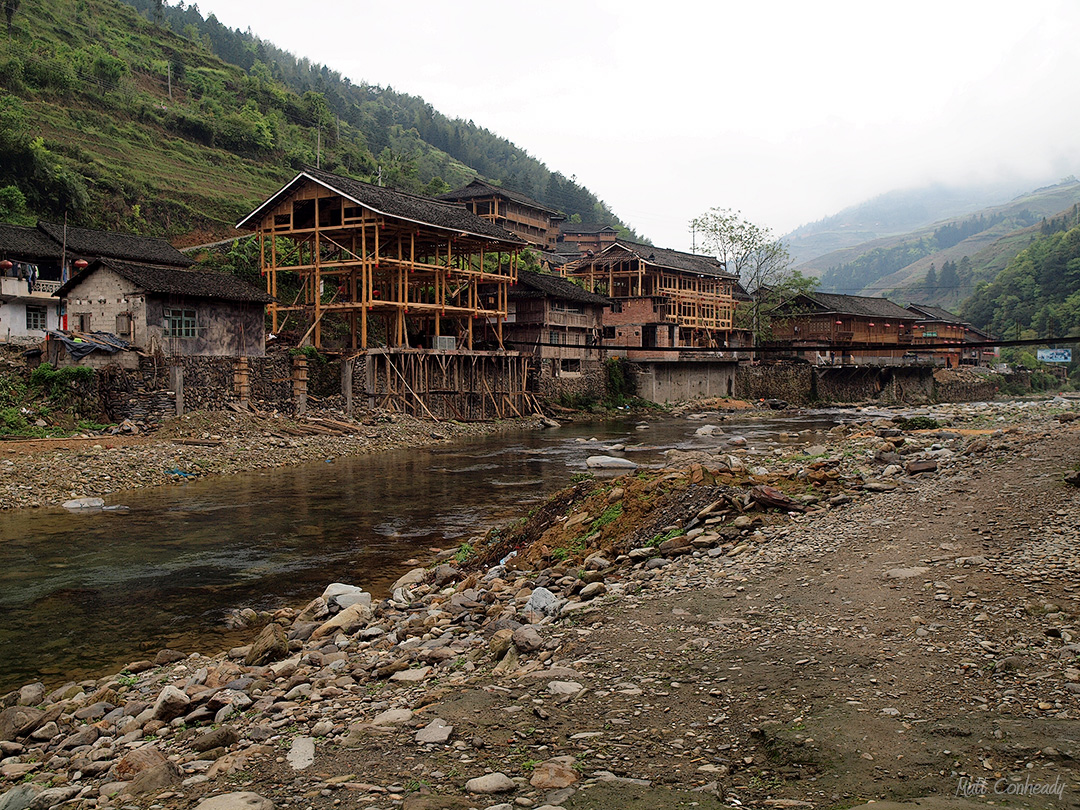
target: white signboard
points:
(1055, 355)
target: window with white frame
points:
(180, 323)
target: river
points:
(83, 594)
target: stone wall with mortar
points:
(553, 385)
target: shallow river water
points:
(81, 595)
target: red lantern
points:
(839, 323)
(81, 264)
(6, 265)
(871, 323)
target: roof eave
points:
(258, 211)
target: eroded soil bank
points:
(889, 616)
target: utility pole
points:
(318, 149)
(169, 70)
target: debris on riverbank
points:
(885, 615)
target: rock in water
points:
(84, 504)
(609, 463)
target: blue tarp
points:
(80, 344)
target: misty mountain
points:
(943, 263)
(816, 246)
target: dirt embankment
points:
(889, 616)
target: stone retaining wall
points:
(802, 385)
(553, 385)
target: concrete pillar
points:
(176, 383)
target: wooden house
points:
(662, 300)
(555, 320)
(522, 216)
(587, 238)
(178, 311)
(411, 265)
(35, 262)
(828, 328)
(937, 326)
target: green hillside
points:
(1038, 292)
(943, 263)
(171, 124)
(894, 213)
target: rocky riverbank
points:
(48, 472)
(888, 615)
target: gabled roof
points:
(557, 259)
(857, 305)
(92, 244)
(22, 244)
(934, 313)
(543, 285)
(661, 257)
(480, 188)
(389, 202)
(585, 228)
(175, 281)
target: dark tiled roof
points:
(93, 244)
(860, 305)
(479, 188)
(934, 313)
(661, 257)
(175, 281)
(557, 259)
(411, 207)
(535, 285)
(569, 249)
(18, 243)
(584, 228)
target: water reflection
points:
(87, 593)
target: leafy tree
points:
(749, 251)
(13, 206)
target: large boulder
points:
(241, 800)
(170, 704)
(347, 621)
(270, 645)
(609, 463)
(18, 721)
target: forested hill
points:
(942, 264)
(141, 116)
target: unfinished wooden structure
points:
(662, 299)
(408, 265)
(521, 215)
(466, 386)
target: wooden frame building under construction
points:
(366, 252)
(404, 273)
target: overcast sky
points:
(788, 111)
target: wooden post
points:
(347, 368)
(300, 383)
(242, 380)
(317, 280)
